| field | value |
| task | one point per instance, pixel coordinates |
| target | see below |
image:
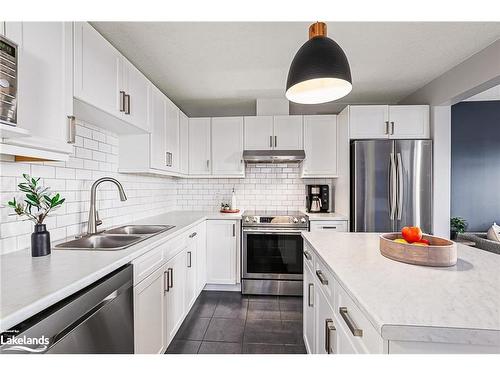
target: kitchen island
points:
(393, 307)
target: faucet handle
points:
(97, 220)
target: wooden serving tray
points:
(440, 253)
(230, 211)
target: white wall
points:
(96, 155)
(265, 187)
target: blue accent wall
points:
(475, 163)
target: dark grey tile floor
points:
(227, 322)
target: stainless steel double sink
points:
(115, 238)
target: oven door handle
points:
(274, 231)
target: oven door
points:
(270, 253)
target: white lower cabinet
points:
(333, 324)
(175, 293)
(331, 225)
(191, 286)
(308, 310)
(222, 240)
(150, 318)
(201, 255)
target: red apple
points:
(423, 240)
(412, 234)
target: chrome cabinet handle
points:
(329, 328)
(350, 324)
(387, 127)
(122, 101)
(165, 281)
(189, 259)
(400, 183)
(234, 230)
(392, 187)
(271, 141)
(171, 160)
(310, 295)
(208, 164)
(329, 227)
(192, 234)
(126, 107)
(321, 277)
(275, 141)
(392, 127)
(307, 255)
(71, 129)
(171, 278)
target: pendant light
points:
(319, 72)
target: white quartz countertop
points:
(459, 304)
(29, 285)
(325, 216)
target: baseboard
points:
(223, 287)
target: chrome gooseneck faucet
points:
(94, 220)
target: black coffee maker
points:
(317, 198)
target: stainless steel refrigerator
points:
(391, 185)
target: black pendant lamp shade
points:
(319, 72)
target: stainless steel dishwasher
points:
(97, 319)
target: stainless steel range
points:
(272, 252)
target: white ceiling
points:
(216, 68)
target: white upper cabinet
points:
(45, 90)
(183, 143)
(259, 133)
(158, 135)
(227, 146)
(273, 133)
(199, 146)
(368, 121)
(389, 121)
(136, 89)
(96, 70)
(288, 133)
(320, 146)
(409, 121)
(172, 133)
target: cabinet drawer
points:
(367, 340)
(147, 264)
(336, 226)
(309, 257)
(175, 245)
(324, 279)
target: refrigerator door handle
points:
(392, 187)
(400, 186)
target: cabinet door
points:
(199, 146)
(176, 290)
(325, 327)
(308, 310)
(201, 255)
(409, 121)
(227, 146)
(288, 134)
(150, 315)
(158, 135)
(45, 89)
(183, 143)
(320, 146)
(172, 133)
(368, 121)
(259, 133)
(333, 226)
(191, 271)
(96, 69)
(221, 251)
(137, 87)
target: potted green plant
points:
(457, 225)
(37, 203)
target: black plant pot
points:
(40, 241)
(453, 235)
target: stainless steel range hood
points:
(274, 156)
